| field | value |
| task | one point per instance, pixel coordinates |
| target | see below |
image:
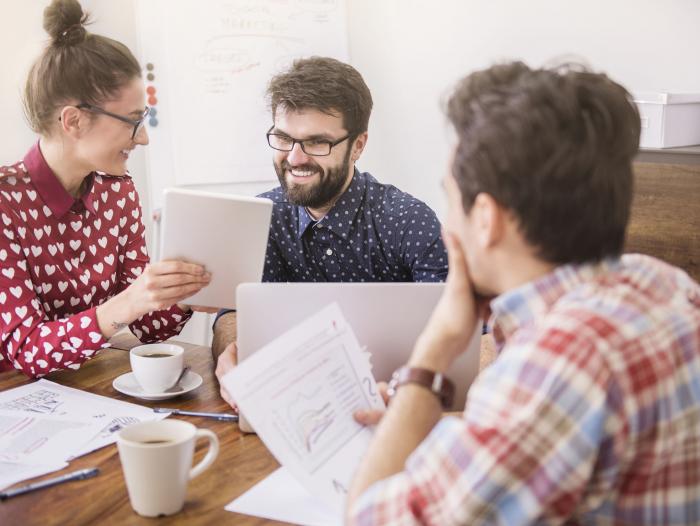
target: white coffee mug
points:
(156, 375)
(156, 459)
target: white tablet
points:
(225, 233)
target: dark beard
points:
(327, 189)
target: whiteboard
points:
(210, 64)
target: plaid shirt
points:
(589, 415)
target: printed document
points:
(291, 502)
(43, 425)
(299, 393)
(51, 399)
(14, 472)
(41, 439)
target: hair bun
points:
(63, 21)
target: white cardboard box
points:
(669, 120)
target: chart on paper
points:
(310, 419)
(299, 393)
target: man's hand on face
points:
(226, 362)
(371, 417)
(454, 320)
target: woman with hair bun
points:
(73, 262)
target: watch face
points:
(393, 384)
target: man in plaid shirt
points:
(590, 414)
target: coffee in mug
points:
(156, 458)
(156, 366)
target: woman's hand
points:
(159, 286)
(164, 284)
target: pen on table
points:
(225, 417)
(74, 475)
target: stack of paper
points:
(43, 425)
(299, 393)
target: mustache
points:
(308, 166)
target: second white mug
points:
(156, 459)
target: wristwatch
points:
(436, 383)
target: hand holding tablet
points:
(227, 234)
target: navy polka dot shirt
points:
(374, 232)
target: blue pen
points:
(74, 475)
(224, 417)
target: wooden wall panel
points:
(665, 220)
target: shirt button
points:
(329, 252)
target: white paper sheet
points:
(299, 393)
(35, 439)
(291, 502)
(48, 398)
(13, 472)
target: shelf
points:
(684, 155)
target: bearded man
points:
(331, 222)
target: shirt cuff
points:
(219, 314)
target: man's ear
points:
(358, 147)
(488, 217)
(72, 121)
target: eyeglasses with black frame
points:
(136, 123)
(314, 147)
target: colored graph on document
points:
(311, 425)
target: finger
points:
(174, 266)
(456, 261)
(169, 296)
(163, 281)
(368, 417)
(226, 361)
(384, 391)
(201, 308)
(227, 397)
(233, 349)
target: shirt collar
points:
(342, 214)
(50, 188)
(523, 305)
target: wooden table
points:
(243, 460)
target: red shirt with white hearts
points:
(60, 258)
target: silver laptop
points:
(386, 318)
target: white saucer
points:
(127, 384)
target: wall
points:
(410, 53)
(21, 41)
(22, 33)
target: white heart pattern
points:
(48, 256)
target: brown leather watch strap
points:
(436, 383)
